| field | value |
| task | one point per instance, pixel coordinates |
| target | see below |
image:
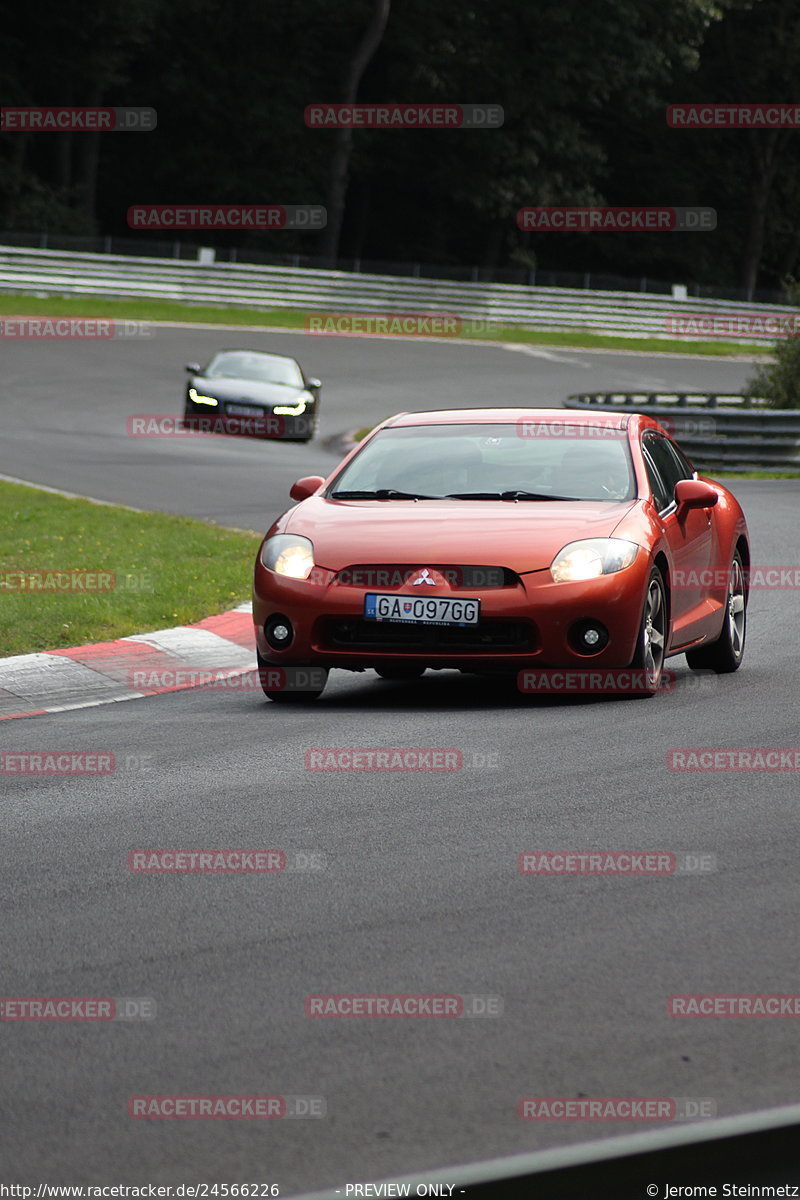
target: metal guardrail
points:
(715, 429)
(115, 276)
(182, 248)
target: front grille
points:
(356, 634)
(376, 576)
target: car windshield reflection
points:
(490, 462)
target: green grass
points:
(168, 570)
(754, 474)
(291, 318)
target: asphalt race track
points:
(66, 404)
(420, 891)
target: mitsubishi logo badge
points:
(425, 577)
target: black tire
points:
(653, 632)
(282, 696)
(400, 672)
(726, 653)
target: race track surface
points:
(419, 892)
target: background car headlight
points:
(287, 554)
(196, 398)
(591, 558)
(294, 410)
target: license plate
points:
(419, 610)
(243, 410)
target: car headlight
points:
(198, 399)
(294, 410)
(591, 558)
(288, 554)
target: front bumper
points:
(206, 419)
(524, 624)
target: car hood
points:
(247, 391)
(522, 535)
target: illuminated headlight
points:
(290, 410)
(197, 399)
(287, 554)
(591, 558)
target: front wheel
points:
(291, 685)
(726, 653)
(650, 648)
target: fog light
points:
(588, 637)
(278, 631)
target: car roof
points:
(483, 416)
(247, 350)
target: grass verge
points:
(158, 570)
(294, 319)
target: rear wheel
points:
(400, 672)
(726, 653)
(649, 657)
(270, 675)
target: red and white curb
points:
(106, 672)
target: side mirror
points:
(194, 368)
(301, 489)
(693, 493)
(314, 384)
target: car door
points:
(691, 539)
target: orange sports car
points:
(503, 541)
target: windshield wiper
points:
(382, 494)
(515, 494)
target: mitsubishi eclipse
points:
(494, 540)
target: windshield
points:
(484, 462)
(244, 364)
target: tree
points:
(778, 382)
(343, 138)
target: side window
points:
(657, 485)
(667, 469)
(686, 468)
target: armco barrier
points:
(715, 429)
(116, 276)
